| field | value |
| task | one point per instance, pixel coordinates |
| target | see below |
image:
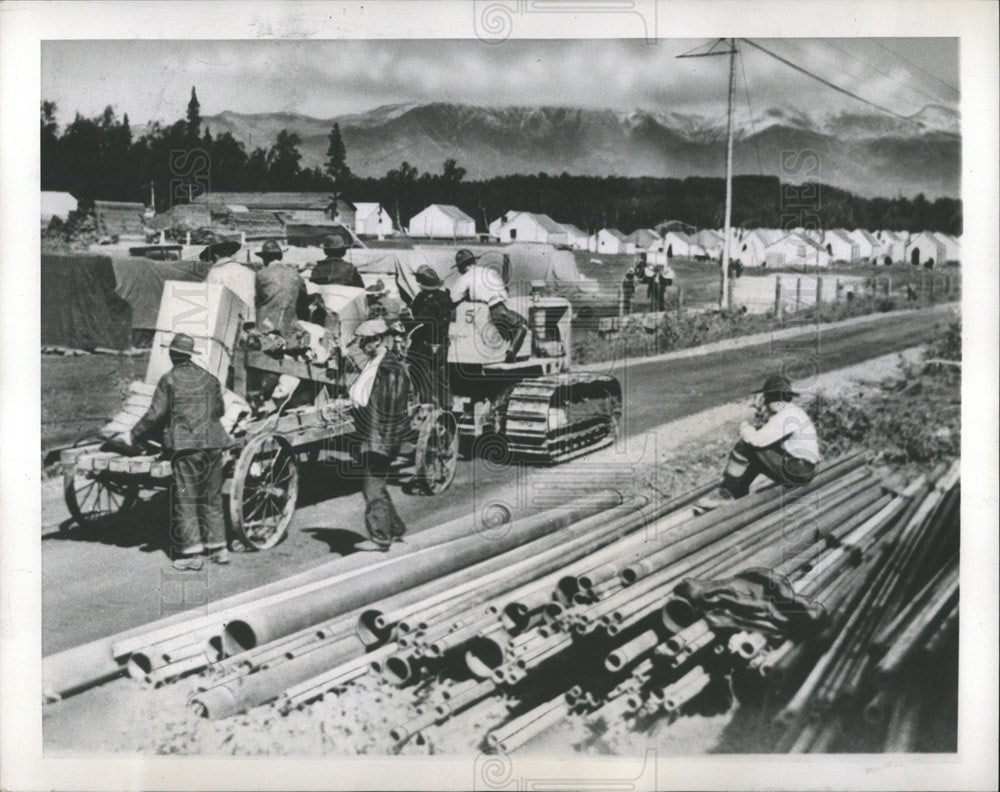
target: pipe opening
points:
(139, 664)
(482, 656)
(398, 733)
(368, 630)
(678, 614)
(397, 669)
(239, 637)
(614, 661)
(747, 650)
(568, 586)
(515, 617)
(629, 575)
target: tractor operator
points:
(785, 448)
(482, 284)
(238, 278)
(187, 404)
(334, 269)
(427, 358)
(380, 398)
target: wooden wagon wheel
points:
(264, 490)
(436, 456)
(94, 497)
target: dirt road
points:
(97, 585)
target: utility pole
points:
(727, 231)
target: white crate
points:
(208, 312)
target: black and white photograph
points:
(480, 384)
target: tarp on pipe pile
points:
(140, 282)
(80, 308)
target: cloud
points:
(153, 79)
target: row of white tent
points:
(771, 247)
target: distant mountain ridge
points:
(869, 154)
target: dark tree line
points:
(100, 158)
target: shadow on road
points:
(146, 526)
(340, 540)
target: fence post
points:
(680, 300)
(779, 308)
(947, 285)
(923, 285)
(798, 295)
(621, 304)
(819, 296)
(932, 279)
(888, 286)
(838, 291)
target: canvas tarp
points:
(525, 263)
(80, 308)
(140, 283)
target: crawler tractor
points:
(534, 405)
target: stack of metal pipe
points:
(576, 613)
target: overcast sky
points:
(151, 80)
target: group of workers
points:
(401, 347)
(187, 404)
(657, 278)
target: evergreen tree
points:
(336, 164)
(283, 161)
(194, 117)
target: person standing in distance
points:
(187, 404)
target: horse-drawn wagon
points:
(103, 478)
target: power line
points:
(918, 68)
(844, 91)
(857, 79)
(880, 71)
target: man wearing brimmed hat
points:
(380, 397)
(482, 284)
(427, 358)
(785, 448)
(281, 293)
(238, 278)
(187, 404)
(334, 269)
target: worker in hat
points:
(281, 293)
(187, 405)
(427, 357)
(482, 284)
(381, 304)
(785, 448)
(380, 399)
(235, 276)
(334, 269)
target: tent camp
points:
(80, 308)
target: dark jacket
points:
(187, 404)
(336, 271)
(281, 295)
(386, 419)
(431, 310)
